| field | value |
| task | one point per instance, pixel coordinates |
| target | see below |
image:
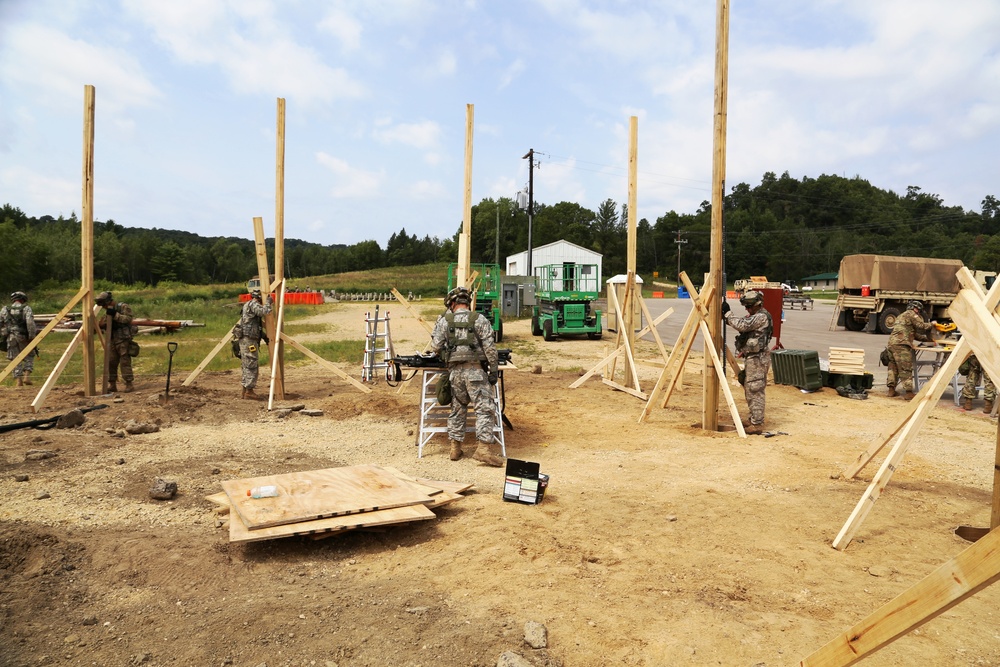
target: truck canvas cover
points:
(904, 274)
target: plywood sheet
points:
(451, 487)
(318, 494)
(238, 531)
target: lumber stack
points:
(847, 361)
(321, 503)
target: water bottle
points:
(269, 491)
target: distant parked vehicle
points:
(807, 288)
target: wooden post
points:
(710, 394)
(628, 317)
(87, 243)
(279, 232)
(269, 319)
(464, 250)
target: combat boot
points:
(484, 455)
(456, 450)
(20, 381)
(967, 404)
(755, 429)
(27, 378)
(249, 394)
(988, 408)
(128, 387)
(907, 395)
(892, 392)
(112, 387)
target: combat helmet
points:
(751, 298)
(915, 303)
(103, 298)
(19, 296)
(458, 295)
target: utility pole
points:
(530, 157)
(496, 250)
(679, 241)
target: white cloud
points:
(59, 70)
(427, 190)
(425, 134)
(344, 27)
(351, 182)
(512, 72)
(43, 193)
(250, 44)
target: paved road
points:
(801, 330)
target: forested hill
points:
(784, 228)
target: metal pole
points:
(496, 253)
(530, 157)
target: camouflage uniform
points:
(17, 322)
(752, 344)
(121, 338)
(976, 375)
(909, 326)
(469, 383)
(249, 329)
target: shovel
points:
(171, 348)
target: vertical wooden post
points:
(710, 394)
(279, 234)
(87, 242)
(279, 198)
(464, 249)
(269, 319)
(628, 316)
(995, 512)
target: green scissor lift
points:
(564, 294)
(487, 293)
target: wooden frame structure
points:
(85, 295)
(674, 367)
(975, 313)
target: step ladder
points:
(378, 346)
(434, 416)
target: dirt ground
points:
(656, 543)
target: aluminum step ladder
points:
(434, 416)
(378, 346)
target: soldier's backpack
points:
(444, 389)
(884, 357)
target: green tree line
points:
(785, 228)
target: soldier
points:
(465, 341)
(17, 328)
(250, 330)
(121, 339)
(970, 390)
(752, 344)
(909, 326)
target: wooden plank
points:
(995, 511)
(220, 499)
(444, 485)
(238, 531)
(422, 488)
(726, 392)
(689, 343)
(87, 242)
(278, 346)
(651, 328)
(600, 364)
(208, 359)
(323, 362)
(689, 325)
(279, 194)
(412, 311)
(627, 390)
(961, 577)
(34, 342)
(444, 498)
(317, 494)
(57, 370)
(935, 387)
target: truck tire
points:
(852, 324)
(595, 335)
(536, 330)
(547, 330)
(887, 319)
(498, 332)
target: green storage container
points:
(857, 382)
(799, 368)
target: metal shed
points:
(557, 252)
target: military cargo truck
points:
(874, 289)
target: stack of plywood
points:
(321, 503)
(847, 361)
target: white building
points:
(557, 252)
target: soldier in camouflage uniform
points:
(909, 326)
(121, 339)
(752, 344)
(250, 330)
(970, 390)
(17, 326)
(465, 341)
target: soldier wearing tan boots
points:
(464, 339)
(909, 326)
(250, 330)
(17, 328)
(119, 350)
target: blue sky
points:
(898, 92)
